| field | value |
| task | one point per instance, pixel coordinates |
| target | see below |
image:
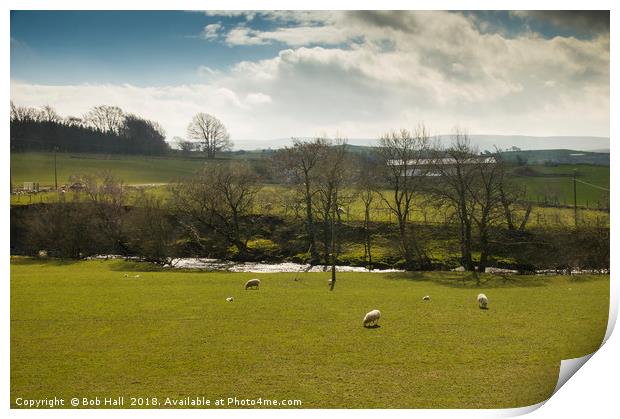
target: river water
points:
(257, 267)
(260, 267)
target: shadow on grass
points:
(115, 265)
(467, 280)
(28, 260)
(139, 266)
(374, 326)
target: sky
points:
(273, 75)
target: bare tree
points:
(108, 196)
(149, 229)
(479, 191)
(300, 165)
(73, 121)
(24, 113)
(404, 156)
(456, 174)
(102, 188)
(218, 199)
(367, 185)
(184, 145)
(19, 113)
(512, 197)
(49, 114)
(107, 119)
(211, 132)
(487, 208)
(64, 230)
(332, 173)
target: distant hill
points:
(490, 142)
(557, 157)
(535, 157)
(483, 142)
(539, 157)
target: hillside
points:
(557, 157)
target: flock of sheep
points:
(371, 319)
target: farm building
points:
(428, 167)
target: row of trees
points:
(105, 129)
(111, 130)
(406, 170)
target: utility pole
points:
(55, 172)
(333, 244)
(575, 194)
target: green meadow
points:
(84, 329)
(556, 183)
(132, 169)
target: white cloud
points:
(248, 15)
(299, 16)
(257, 99)
(373, 72)
(210, 31)
(244, 36)
(207, 71)
(295, 36)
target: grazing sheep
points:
(229, 299)
(136, 276)
(483, 301)
(426, 298)
(371, 318)
(252, 283)
(329, 282)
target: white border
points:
(593, 393)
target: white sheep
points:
(252, 283)
(483, 301)
(371, 318)
(329, 282)
(136, 276)
(229, 299)
(426, 298)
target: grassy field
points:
(39, 167)
(556, 183)
(82, 329)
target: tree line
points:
(406, 170)
(103, 129)
(109, 129)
